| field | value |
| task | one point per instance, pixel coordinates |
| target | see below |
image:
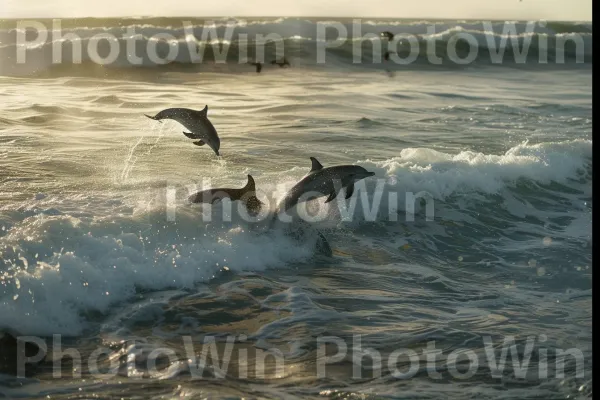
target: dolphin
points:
(324, 182)
(301, 232)
(247, 194)
(196, 122)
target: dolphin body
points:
(324, 182)
(196, 122)
(247, 194)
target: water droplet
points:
(547, 241)
(460, 258)
(541, 271)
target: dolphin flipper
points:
(189, 134)
(199, 143)
(332, 196)
(349, 190)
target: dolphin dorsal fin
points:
(250, 186)
(204, 111)
(316, 165)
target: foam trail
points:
(130, 164)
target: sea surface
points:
(99, 245)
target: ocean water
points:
(98, 244)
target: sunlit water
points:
(91, 249)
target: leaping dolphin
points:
(196, 122)
(247, 194)
(324, 182)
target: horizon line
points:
(298, 16)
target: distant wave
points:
(557, 43)
(442, 174)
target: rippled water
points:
(88, 250)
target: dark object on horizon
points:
(257, 65)
(386, 56)
(387, 34)
(282, 63)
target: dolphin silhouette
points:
(324, 182)
(282, 63)
(257, 65)
(196, 122)
(247, 194)
(387, 34)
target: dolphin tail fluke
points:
(253, 204)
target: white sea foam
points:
(80, 265)
(443, 174)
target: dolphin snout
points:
(368, 174)
(154, 118)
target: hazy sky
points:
(580, 10)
